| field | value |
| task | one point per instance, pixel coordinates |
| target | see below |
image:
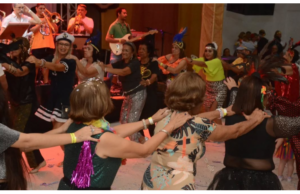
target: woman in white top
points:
(89, 69)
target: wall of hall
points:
(285, 18)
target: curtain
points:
(189, 15)
(212, 26)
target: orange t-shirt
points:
(43, 38)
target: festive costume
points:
(287, 103)
(82, 168)
(163, 60)
(216, 90)
(135, 94)
(285, 150)
(173, 164)
(93, 41)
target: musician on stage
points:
(17, 16)
(115, 33)
(81, 24)
(43, 41)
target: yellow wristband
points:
(224, 112)
(151, 121)
(74, 139)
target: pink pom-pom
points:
(81, 176)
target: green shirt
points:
(105, 169)
(118, 30)
(214, 70)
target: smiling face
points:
(143, 52)
(209, 53)
(88, 51)
(63, 47)
(127, 52)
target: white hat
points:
(65, 36)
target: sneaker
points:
(280, 178)
(289, 179)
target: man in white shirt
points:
(81, 24)
(17, 16)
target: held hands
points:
(230, 83)
(85, 133)
(101, 64)
(258, 115)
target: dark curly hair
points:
(185, 92)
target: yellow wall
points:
(110, 16)
(190, 15)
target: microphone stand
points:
(162, 37)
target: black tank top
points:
(253, 150)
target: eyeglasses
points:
(20, 7)
(208, 51)
(62, 44)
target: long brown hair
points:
(24, 50)
(16, 168)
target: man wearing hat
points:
(62, 68)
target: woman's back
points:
(253, 151)
(105, 170)
(173, 164)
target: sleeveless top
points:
(253, 151)
(105, 169)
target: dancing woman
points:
(149, 70)
(13, 169)
(245, 157)
(172, 64)
(130, 76)
(213, 69)
(90, 68)
(173, 163)
(94, 166)
(54, 112)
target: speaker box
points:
(252, 9)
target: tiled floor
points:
(130, 176)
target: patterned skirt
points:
(285, 151)
(131, 110)
(215, 91)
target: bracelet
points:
(221, 113)
(224, 111)
(151, 121)
(144, 123)
(74, 139)
(43, 63)
(165, 131)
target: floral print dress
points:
(173, 164)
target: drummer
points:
(43, 40)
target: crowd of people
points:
(263, 76)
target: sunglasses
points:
(208, 51)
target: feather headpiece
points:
(93, 41)
(178, 38)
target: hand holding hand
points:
(123, 41)
(85, 133)
(32, 59)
